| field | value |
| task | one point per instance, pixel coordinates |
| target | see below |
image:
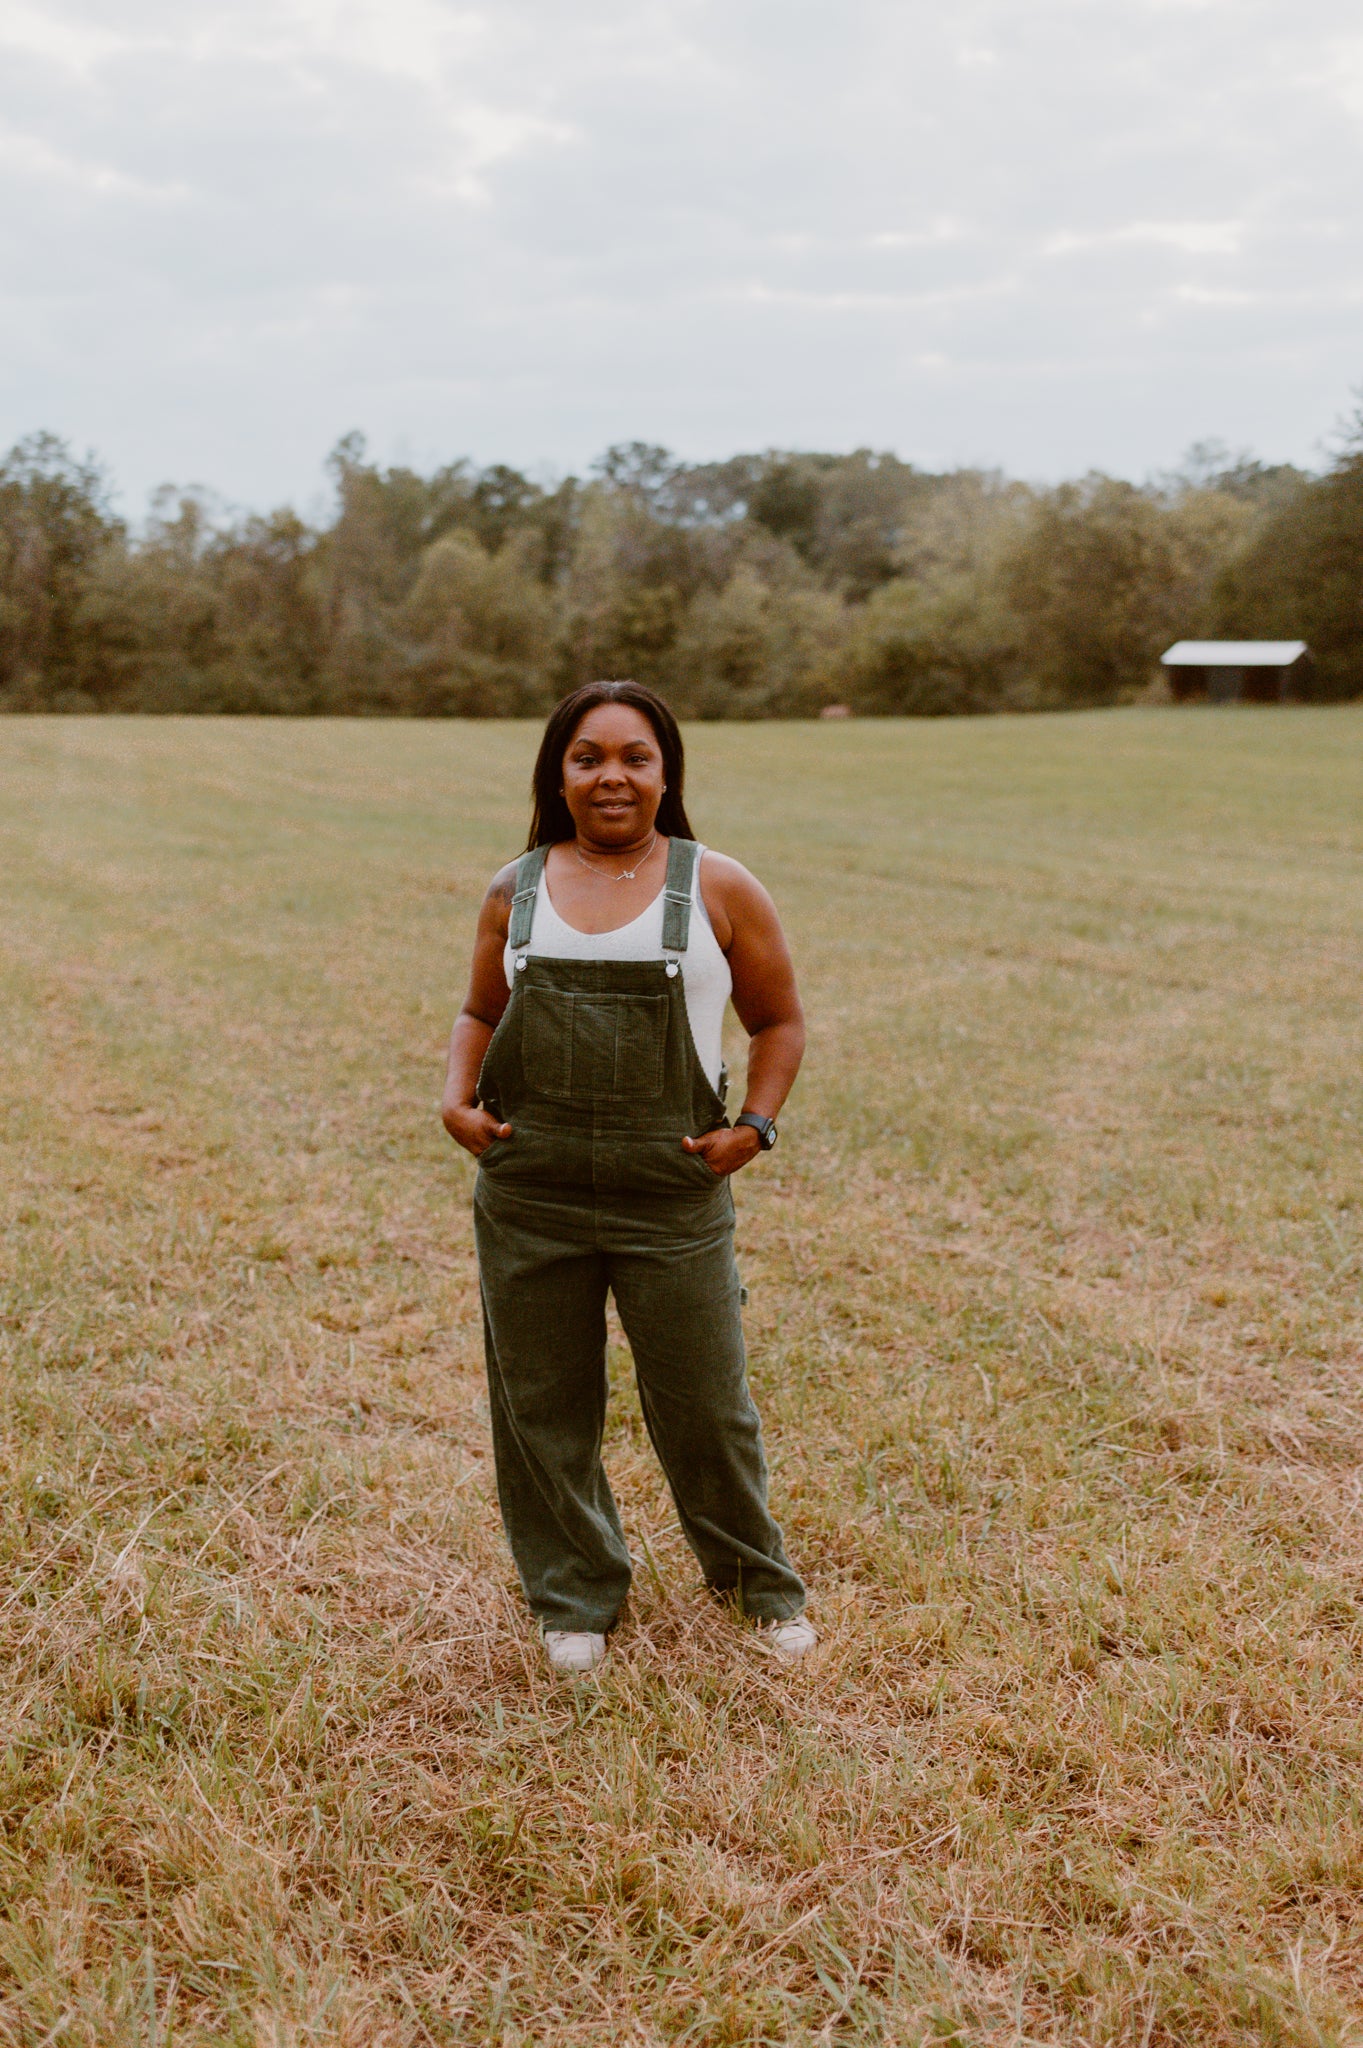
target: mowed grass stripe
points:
(1055, 1323)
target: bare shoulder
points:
(733, 896)
(729, 877)
(500, 890)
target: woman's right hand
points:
(484, 1007)
(472, 1127)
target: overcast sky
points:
(1048, 234)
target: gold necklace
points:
(625, 874)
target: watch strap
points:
(765, 1126)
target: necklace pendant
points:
(625, 874)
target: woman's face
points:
(613, 775)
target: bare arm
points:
(765, 997)
(487, 998)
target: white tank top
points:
(706, 979)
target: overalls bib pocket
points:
(593, 1047)
(628, 1034)
(547, 1042)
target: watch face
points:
(769, 1137)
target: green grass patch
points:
(1055, 1323)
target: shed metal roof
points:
(1233, 653)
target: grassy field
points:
(1054, 1321)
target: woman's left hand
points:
(724, 1151)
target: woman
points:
(585, 1078)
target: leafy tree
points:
(1210, 466)
(55, 523)
(755, 649)
(273, 610)
(931, 649)
(787, 500)
(479, 629)
(768, 584)
(1095, 582)
(1299, 573)
(150, 626)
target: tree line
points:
(768, 585)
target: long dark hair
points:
(550, 819)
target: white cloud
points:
(29, 158)
(1188, 237)
(933, 235)
(1209, 295)
(483, 137)
(416, 39)
(521, 230)
(1341, 74)
(757, 293)
(41, 32)
(413, 39)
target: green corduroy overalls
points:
(594, 1068)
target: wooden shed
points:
(1236, 671)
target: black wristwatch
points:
(763, 1125)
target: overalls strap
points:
(529, 868)
(681, 868)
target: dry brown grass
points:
(1055, 1323)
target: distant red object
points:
(836, 711)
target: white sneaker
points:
(788, 1640)
(572, 1652)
